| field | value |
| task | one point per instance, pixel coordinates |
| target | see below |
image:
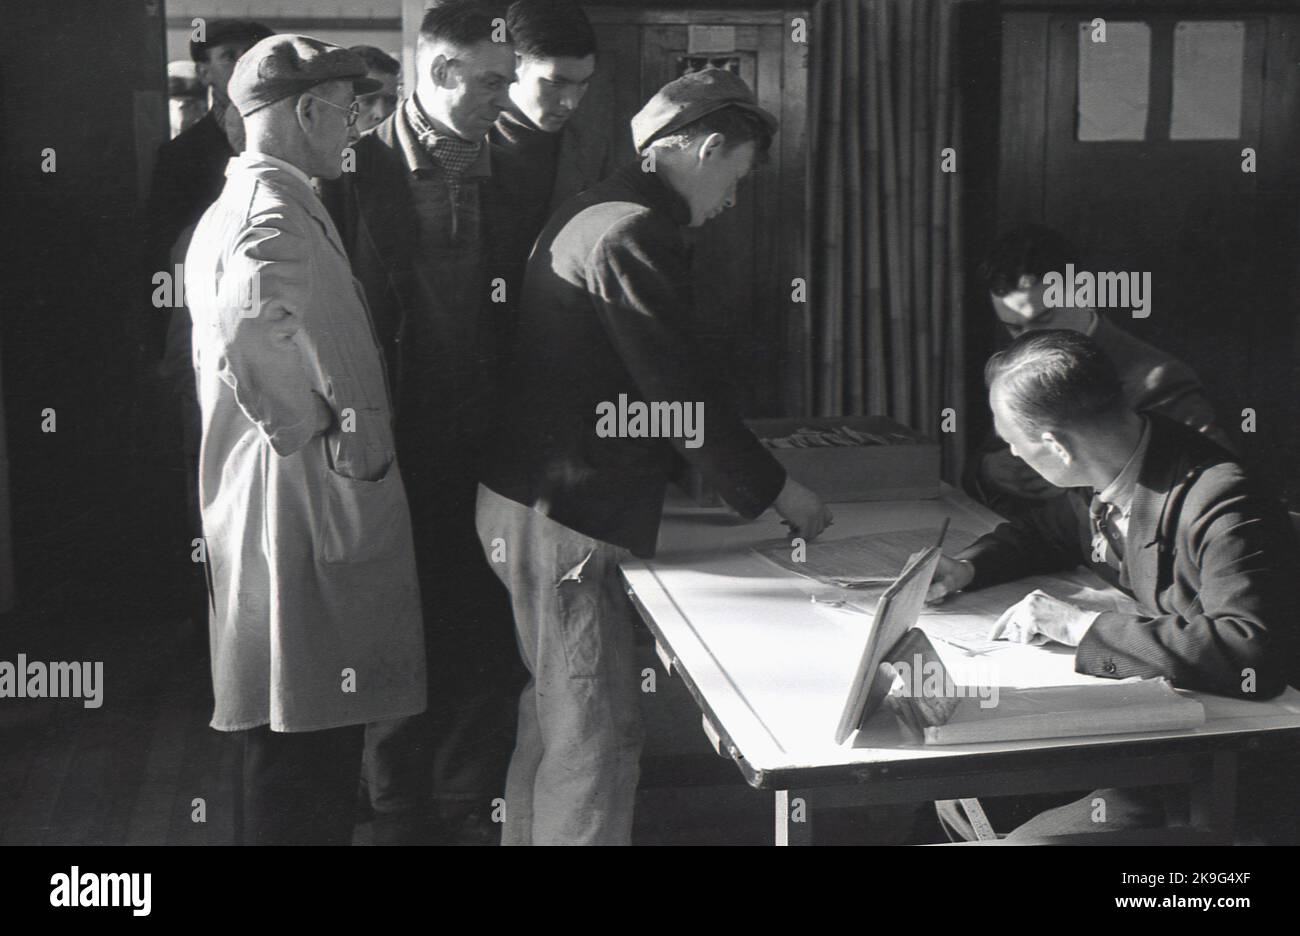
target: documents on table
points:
(962, 620)
(871, 560)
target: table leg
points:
(793, 818)
(1214, 798)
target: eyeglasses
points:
(353, 109)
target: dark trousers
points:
(430, 773)
(297, 788)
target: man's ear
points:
(305, 109)
(712, 146)
(1026, 282)
(1058, 448)
(438, 69)
(203, 71)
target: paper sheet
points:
(1208, 63)
(861, 561)
(965, 619)
(1114, 82)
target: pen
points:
(943, 531)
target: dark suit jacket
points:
(373, 211)
(188, 176)
(1152, 381)
(607, 310)
(1210, 558)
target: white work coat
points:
(316, 609)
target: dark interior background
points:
(97, 505)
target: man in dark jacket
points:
(606, 390)
(191, 168)
(411, 215)
(543, 150)
(1158, 510)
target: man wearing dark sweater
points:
(571, 490)
(1153, 507)
(541, 155)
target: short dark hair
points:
(1028, 249)
(1056, 378)
(377, 59)
(461, 22)
(551, 29)
(736, 124)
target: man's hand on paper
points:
(802, 510)
(951, 575)
(1038, 614)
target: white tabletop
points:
(774, 668)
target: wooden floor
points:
(134, 771)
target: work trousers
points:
(573, 776)
(297, 788)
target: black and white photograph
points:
(698, 422)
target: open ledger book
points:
(901, 668)
(935, 710)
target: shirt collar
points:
(254, 159)
(1120, 491)
(659, 195)
(456, 157)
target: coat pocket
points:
(362, 521)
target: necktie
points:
(1101, 513)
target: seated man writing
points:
(1154, 507)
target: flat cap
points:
(220, 32)
(690, 97)
(287, 65)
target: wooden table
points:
(770, 670)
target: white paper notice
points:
(1208, 61)
(1114, 80)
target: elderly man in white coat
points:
(315, 625)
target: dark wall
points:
(1222, 246)
(86, 80)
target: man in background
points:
(1013, 273)
(315, 628)
(187, 97)
(541, 156)
(377, 105)
(412, 218)
(190, 170)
